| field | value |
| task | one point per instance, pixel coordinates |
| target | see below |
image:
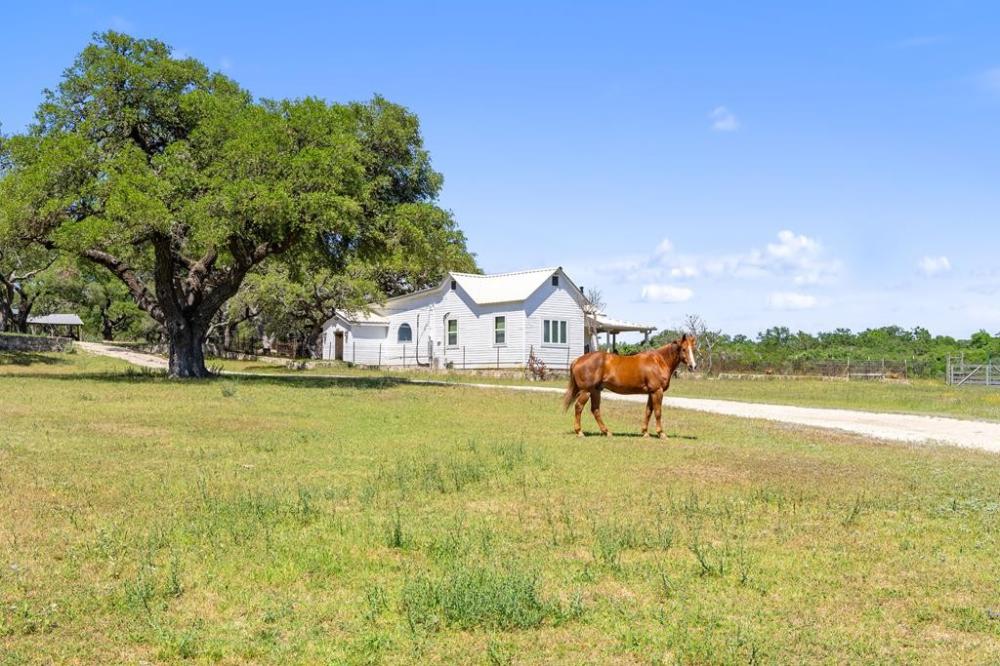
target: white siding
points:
(427, 314)
(554, 303)
(476, 348)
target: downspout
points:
(417, 345)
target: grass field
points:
(920, 396)
(371, 521)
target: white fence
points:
(377, 355)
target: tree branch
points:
(127, 275)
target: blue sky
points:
(813, 165)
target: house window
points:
(454, 284)
(452, 332)
(555, 280)
(405, 333)
(554, 332)
(500, 330)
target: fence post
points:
(354, 351)
(989, 366)
(498, 358)
(463, 357)
(380, 356)
(404, 356)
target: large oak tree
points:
(179, 183)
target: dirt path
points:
(901, 427)
(133, 357)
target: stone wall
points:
(33, 343)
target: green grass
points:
(920, 396)
(370, 521)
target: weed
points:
(396, 539)
(476, 596)
(712, 561)
(498, 653)
(852, 516)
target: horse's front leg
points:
(595, 409)
(657, 400)
(649, 412)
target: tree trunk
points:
(20, 322)
(107, 330)
(187, 349)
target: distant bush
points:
(780, 351)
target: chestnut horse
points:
(647, 372)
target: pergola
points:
(601, 323)
(51, 324)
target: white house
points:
(475, 321)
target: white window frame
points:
(557, 332)
(496, 320)
(447, 333)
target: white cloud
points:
(931, 266)
(790, 300)
(723, 120)
(794, 258)
(791, 245)
(683, 272)
(666, 293)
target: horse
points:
(647, 372)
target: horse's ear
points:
(684, 337)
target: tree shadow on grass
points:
(133, 375)
(12, 357)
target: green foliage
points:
(778, 348)
(177, 181)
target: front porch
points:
(599, 322)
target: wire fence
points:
(962, 372)
(849, 369)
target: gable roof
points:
(56, 320)
(503, 287)
(488, 289)
(360, 318)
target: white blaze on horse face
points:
(690, 359)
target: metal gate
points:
(965, 373)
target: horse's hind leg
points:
(595, 409)
(645, 419)
(581, 401)
(657, 400)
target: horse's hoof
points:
(663, 435)
(580, 435)
(608, 434)
(645, 435)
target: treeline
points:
(778, 350)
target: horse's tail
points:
(571, 391)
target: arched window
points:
(404, 334)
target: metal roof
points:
(605, 324)
(362, 318)
(503, 287)
(56, 320)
